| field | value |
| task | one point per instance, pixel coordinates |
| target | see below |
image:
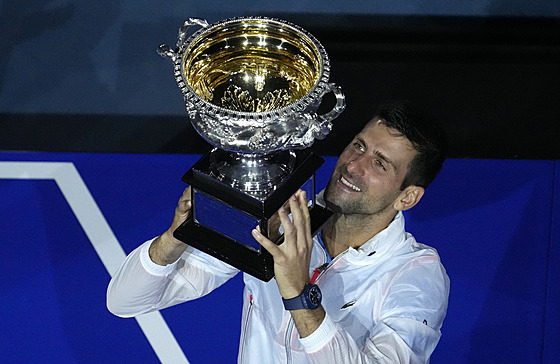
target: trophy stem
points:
(256, 175)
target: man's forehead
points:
(377, 121)
(403, 143)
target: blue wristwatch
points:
(309, 299)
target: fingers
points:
(297, 229)
(301, 219)
(185, 202)
(183, 209)
(266, 243)
(292, 257)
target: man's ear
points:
(408, 198)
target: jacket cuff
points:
(150, 266)
(320, 337)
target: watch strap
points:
(308, 299)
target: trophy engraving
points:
(252, 87)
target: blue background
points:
(494, 222)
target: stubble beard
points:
(359, 207)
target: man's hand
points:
(183, 209)
(292, 259)
(166, 249)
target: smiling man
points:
(362, 291)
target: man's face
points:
(369, 172)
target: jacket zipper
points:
(317, 273)
(245, 328)
(288, 339)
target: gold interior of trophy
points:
(252, 65)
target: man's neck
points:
(343, 231)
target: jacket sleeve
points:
(141, 286)
(409, 324)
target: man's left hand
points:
(293, 256)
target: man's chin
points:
(332, 206)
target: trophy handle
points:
(325, 125)
(185, 28)
(165, 51)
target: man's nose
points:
(356, 165)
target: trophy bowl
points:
(253, 85)
(252, 88)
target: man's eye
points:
(380, 164)
(359, 146)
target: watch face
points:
(315, 296)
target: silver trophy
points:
(252, 88)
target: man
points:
(384, 296)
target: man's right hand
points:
(166, 249)
(183, 209)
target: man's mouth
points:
(345, 182)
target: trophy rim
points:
(270, 116)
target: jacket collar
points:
(381, 246)
(384, 244)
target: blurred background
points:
(85, 76)
(94, 139)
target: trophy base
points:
(224, 216)
(254, 174)
(258, 263)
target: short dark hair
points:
(424, 132)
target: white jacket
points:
(385, 302)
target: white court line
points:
(101, 237)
